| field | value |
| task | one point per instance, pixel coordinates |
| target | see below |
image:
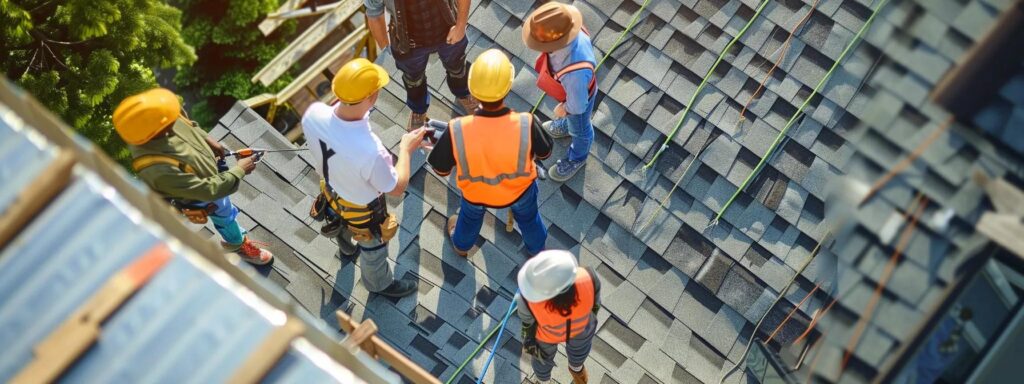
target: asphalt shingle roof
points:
(680, 299)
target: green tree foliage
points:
(231, 50)
(80, 58)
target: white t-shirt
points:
(359, 167)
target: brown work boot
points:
(253, 253)
(451, 232)
(469, 104)
(416, 120)
(579, 377)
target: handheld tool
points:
(258, 152)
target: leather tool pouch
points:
(385, 231)
(196, 214)
(318, 211)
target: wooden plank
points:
(304, 12)
(1005, 230)
(317, 68)
(264, 357)
(398, 361)
(268, 25)
(81, 329)
(980, 72)
(36, 196)
(306, 42)
(1005, 197)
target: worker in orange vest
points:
(492, 152)
(558, 302)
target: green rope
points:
(792, 119)
(632, 23)
(473, 354)
(703, 82)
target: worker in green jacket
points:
(179, 160)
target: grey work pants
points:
(577, 349)
(373, 261)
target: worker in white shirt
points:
(357, 170)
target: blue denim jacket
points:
(576, 83)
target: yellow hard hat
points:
(140, 117)
(357, 80)
(490, 76)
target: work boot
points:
(451, 235)
(579, 377)
(469, 104)
(331, 228)
(399, 288)
(565, 169)
(557, 128)
(416, 120)
(252, 252)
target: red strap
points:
(574, 67)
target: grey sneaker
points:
(399, 288)
(416, 120)
(469, 104)
(565, 169)
(557, 128)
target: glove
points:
(530, 347)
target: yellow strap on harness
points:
(146, 161)
(351, 213)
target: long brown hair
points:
(564, 302)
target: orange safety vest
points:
(551, 325)
(492, 158)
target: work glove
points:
(530, 347)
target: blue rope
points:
(501, 329)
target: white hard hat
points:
(546, 275)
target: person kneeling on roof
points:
(565, 72)
(178, 160)
(492, 152)
(357, 170)
(558, 302)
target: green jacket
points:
(187, 143)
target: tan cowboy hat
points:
(552, 26)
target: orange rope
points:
(814, 320)
(903, 164)
(782, 54)
(905, 237)
(791, 312)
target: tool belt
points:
(193, 211)
(366, 222)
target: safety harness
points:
(366, 222)
(195, 211)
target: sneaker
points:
(565, 169)
(331, 229)
(557, 128)
(451, 233)
(399, 288)
(469, 104)
(416, 120)
(253, 253)
(579, 377)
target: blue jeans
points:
(525, 211)
(224, 222)
(582, 130)
(414, 67)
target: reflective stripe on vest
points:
(486, 172)
(551, 84)
(551, 326)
